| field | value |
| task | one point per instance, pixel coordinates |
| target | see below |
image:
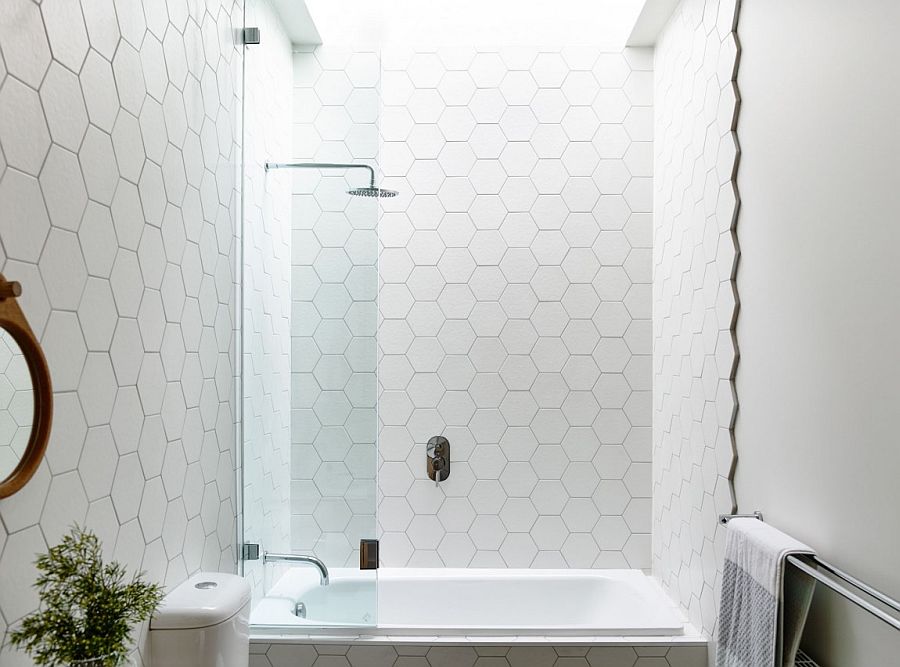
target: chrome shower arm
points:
(322, 165)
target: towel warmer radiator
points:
(804, 660)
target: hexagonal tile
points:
(456, 194)
(456, 123)
(518, 123)
(20, 197)
(551, 389)
(65, 349)
(97, 465)
(66, 504)
(611, 105)
(487, 70)
(580, 337)
(18, 597)
(518, 550)
(64, 107)
(549, 70)
(63, 188)
(63, 269)
(100, 94)
(611, 496)
(488, 141)
(97, 388)
(98, 164)
(24, 43)
(549, 427)
(66, 32)
(487, 105)
(100, 324)
(549, 141)
(518, 87)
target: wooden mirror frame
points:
(12, 320)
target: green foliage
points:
(87, 606)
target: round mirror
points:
(26, 397)
(16, 404)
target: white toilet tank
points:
(204, 622)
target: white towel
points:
(755, 599)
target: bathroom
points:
(453, 334)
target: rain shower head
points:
(372, 191)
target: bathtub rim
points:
(386, 633)
(271, 635)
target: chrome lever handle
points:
(438, 466)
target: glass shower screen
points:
(309, 321)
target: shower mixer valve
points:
(437, 453)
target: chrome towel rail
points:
(814, 570)
(817, 568)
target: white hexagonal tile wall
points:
(492, 257)
(88, 269)
(675, 93)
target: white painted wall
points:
(819, 285)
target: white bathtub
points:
(485, 602)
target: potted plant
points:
(88, 607)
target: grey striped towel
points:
(755, 599)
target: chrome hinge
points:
(250, 35)
(368, 554)
(249, 552)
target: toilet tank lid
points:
(206, 599)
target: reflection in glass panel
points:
(333, 324)
(265, 289)
(16, 404)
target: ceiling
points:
(298, 23)
(375, 23)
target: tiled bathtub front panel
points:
(474, 655)
(514, 300)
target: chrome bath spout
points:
(299, 558)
